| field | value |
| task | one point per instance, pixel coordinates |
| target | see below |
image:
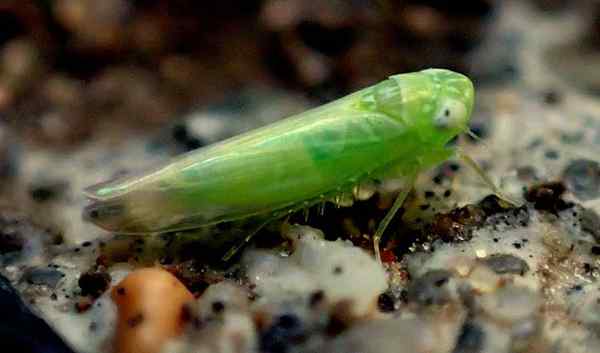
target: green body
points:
(398, 127)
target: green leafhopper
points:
(396, 128)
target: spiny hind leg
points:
(240, 244)
(391, 213)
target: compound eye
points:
(451, 114)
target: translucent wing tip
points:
(110, 215)
(104, 190)
(94, 192)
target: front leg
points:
(392, 212)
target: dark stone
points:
(316, 298)
(457, 225)
(552, 6)
(506, 263)
(480, 129)
(327, 40)
(337, 270)
(551, 154)
(47, 190)
(386, 302)
(9, 152)
(470, 339)
(22, 331)
(430, 288)
(42, 276)
(513, 217)
(571, 138)
(94, 283)
(582, 177)
(552, 97)
(184, 139)
(10, 241)
(527, 173)
(492, 204)
(590, 223)
(218, 307)
(286, 332)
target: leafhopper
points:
(394, 129)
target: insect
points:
(394, 129)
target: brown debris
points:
(548, 197)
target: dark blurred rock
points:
(551, 5)
(47, 190)
(94, 282)
(457, 225)
(471, 338)
(286, 331)
(8, 155)
(430, 288)
(582, 176)
(575, 61)
(590, 222)
(46, 276)
(386, 302)
(22, 331)
(506, 263)
(95, 24)
(339, 44)
(21, 66)
(20, 238)
(548, 197)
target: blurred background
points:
(92, 89)
(71, 69)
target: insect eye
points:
(451, 114)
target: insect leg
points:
(486, 179)
(391, 213)
(237, 247)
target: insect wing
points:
(268, 169)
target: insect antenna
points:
(476, 137)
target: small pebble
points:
(590, 222)
(385, 302)
(430, 288)
(582, 177)
(287, 331)
(470, 339)
(548, 197)
(43, 276)
(94, 283)
(506, 263)
(551, 154)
